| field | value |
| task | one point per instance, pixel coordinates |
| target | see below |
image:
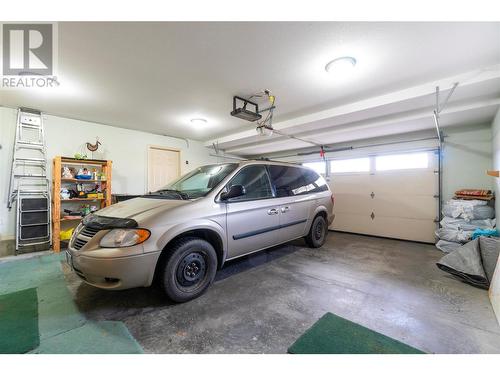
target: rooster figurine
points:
(93, 147)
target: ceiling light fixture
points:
(341, 64)
(198, 121)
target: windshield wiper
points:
(178, 192)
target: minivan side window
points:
(255, 180)
(291, 181)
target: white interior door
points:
(395, 203)
(163, 167)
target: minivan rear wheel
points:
(189, 269)
(317, 234)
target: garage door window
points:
(317, 166)
(350, 165)
(402, 161)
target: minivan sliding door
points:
(295, 204)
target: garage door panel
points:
(352, 203)
(402, 202)
(411, 207)
(350, 184)
(405, 182)
(353, 223)
(404, 228)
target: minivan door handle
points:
(285, 209)
(272, 211)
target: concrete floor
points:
(264, 302)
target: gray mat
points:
(474, 262)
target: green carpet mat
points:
(57, 312)
(334, 335)
(61, 326)
(19, 322)
(92, 338)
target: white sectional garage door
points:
(397, 203)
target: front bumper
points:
(330, 219)
(114, 273)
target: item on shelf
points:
(65, 194)
(474, 192)
(481, 194)
(92, 195)
(85, 210)
(484, 233)
(468, 209)
(81, 191)
(464, 220)
(472, 225)
(467, 197)
(454, 235)
(72, 217)
(72, 213)
(83, 174)
(66, 173)
(93, 208)
(65, 235)
(447, 246)
(79, 156)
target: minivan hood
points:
(134, 207)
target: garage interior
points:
(401, 119)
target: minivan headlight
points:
(124, 237)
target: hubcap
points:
(319, 230)
(191, 269)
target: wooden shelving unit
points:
(58, 182)
(82, 199)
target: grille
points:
(83, 237)
(88, 232)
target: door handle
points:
(285, 209)
(272, 211)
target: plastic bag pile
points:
(461, 219)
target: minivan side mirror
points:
(233, 192)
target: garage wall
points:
(126, 148)
(467, 155)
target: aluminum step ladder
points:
(29, 186)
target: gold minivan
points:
(186, 231)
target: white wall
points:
(126, 148)
(466, 157)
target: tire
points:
(318, 232)
(189, 269)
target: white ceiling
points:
(155, 77)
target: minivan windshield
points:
(196, 183)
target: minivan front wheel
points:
(189, 269)
(317, 234)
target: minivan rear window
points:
(291, 181)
